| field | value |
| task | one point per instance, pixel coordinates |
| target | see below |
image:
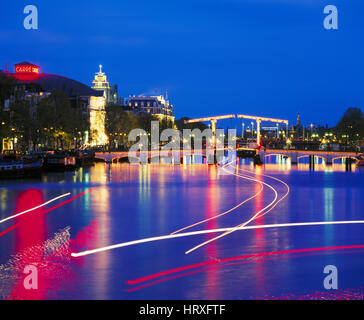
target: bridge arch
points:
(278, 155)
(100, 158)
(324, 160)
(342, 158)
(182, 157)
(118, 158)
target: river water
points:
(116, 203)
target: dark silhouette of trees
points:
(59, 121)
(180, 123)
(33, 120)
(351, 126)
(120, 121)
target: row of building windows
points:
(147, 104)
(142, 104)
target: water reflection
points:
(328, 194)
(100, 202)
(212, 206)
(137, 201)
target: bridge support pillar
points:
(257, 159)
(312, 162)
(348, 164)
(294, 159)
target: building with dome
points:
(38, 85)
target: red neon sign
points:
(26, 69)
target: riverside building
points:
(36, 85)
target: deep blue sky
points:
(262, 57)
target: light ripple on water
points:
(12, 271)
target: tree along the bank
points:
(60, 123)
(121, 120)
(53, 122)
(350, 128)
(180, 123)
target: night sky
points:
(260, 57)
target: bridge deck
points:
(329, 156)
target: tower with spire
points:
(100, 83)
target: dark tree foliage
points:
(52, 120)
(351, 125)
(7, 85)
(120, 121)
(59, 121)
(180, 123)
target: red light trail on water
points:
(46, 211)
(214, 262)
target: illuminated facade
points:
(100, 83)
(97, 121)
(158, 106)
(90, 102)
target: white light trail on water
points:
(241, 203)
(259, 214)
(227, 211)
(34, 208)
(193, 233)
(279, 180)
(240, 225)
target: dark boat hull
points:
(85, 158)
(59, 163)
(21, 170)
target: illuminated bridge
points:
(178, 156)
(154, 156)
(328, 157)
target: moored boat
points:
(59, 162)
(14, 166)
(85, 158)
